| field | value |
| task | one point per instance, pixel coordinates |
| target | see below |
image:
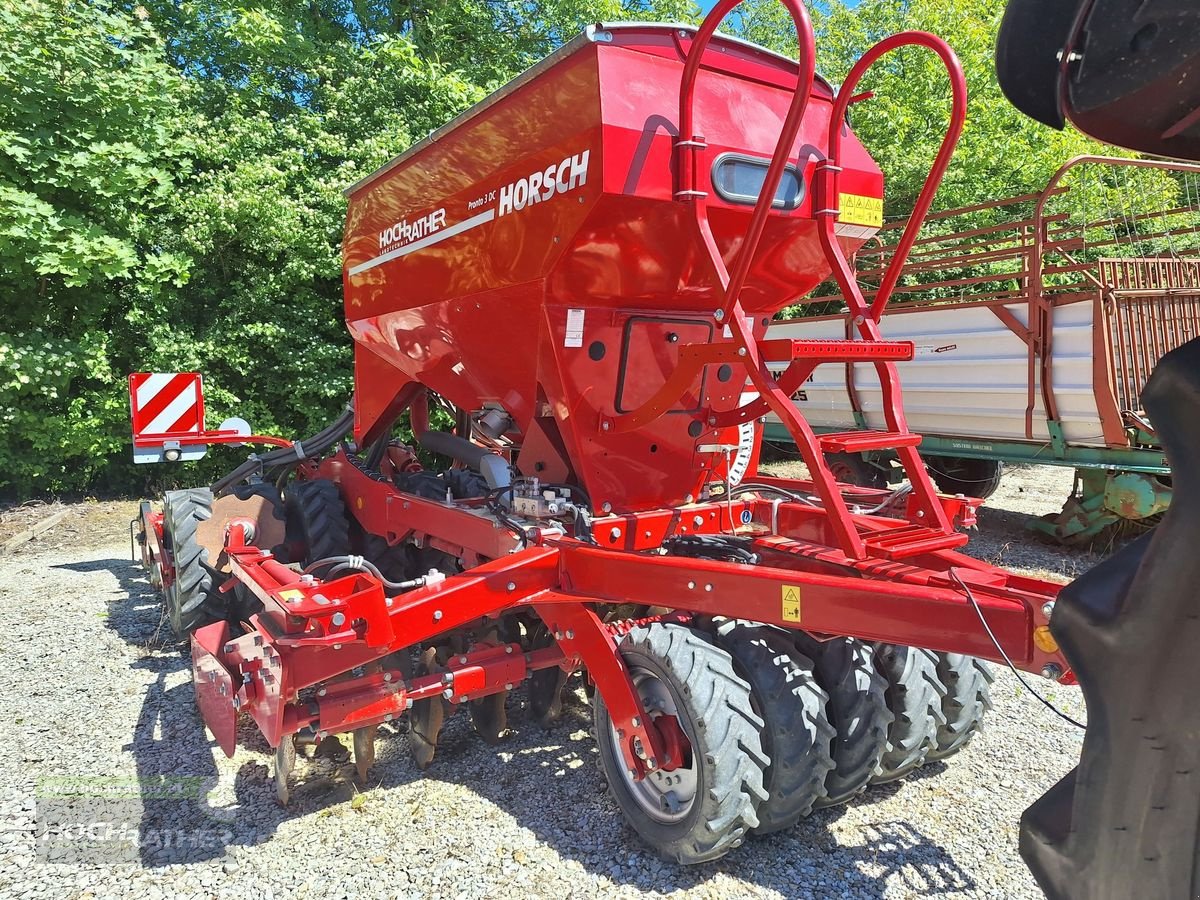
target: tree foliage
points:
(171, 176)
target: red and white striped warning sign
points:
(166, 403)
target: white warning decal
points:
(574, 333)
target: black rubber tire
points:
(967, 681)
(715, 713)
(914, 695)
(191, 600)
(857, 710)
(962, 475)
(796, 735)
(395, 561)
(315, 510)
(851, 468)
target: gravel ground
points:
(90, 689)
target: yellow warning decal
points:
(291, 596)
(859, 210)
(791, 603)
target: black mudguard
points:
(1126, 822)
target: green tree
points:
(93, 144)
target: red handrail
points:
(689, 142)
(827, 173)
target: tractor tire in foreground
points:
(704, 807)
(914, 695)
(967, 681)
(191, 598)
(796, 733)
(857, 710)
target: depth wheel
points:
(705, 806)
(914, 695)
(857, 710)
(191, 598)
(796, 733)
(316, 512)
(967, 681)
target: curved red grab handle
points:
(958, 116)
(688, 142)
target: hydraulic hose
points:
(301, 450)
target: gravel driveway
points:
(90, 690)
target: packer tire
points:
(967, 681)
(914, 695)
(191, 599)
(857, 710)
(796, 734)
(714, 711)
(315, 510)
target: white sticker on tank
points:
(574, 335)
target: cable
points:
(979, 612)
(747, 487)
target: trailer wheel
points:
(857, 710)
(914, 695)
(851, 468)
(796, 733)
(968, 697)
(191, 598)
(704, 807)
(318, 516)
(961, 475)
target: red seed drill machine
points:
(581, 269)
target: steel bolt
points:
(652, 763)
(337, 646)
(558, 636)
(691, 585)
(387, 600)
(387, 676)
(387, 717)
(1048, 609)
(508, 649)
(698, 521)
(511, 586)
(322, 692)
(606, 507)
(339, 619)
(570, 635)
(448, 693)
(1053, 671)
(447, 678)
(614, 534)
(437, 615)
(708, 588)
(508, 687)
(633, 774)
(719, 315)
(636, 722)
(604, 426)
(321, 735)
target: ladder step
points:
(910, 540)
(862, 441)
(785, 350)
